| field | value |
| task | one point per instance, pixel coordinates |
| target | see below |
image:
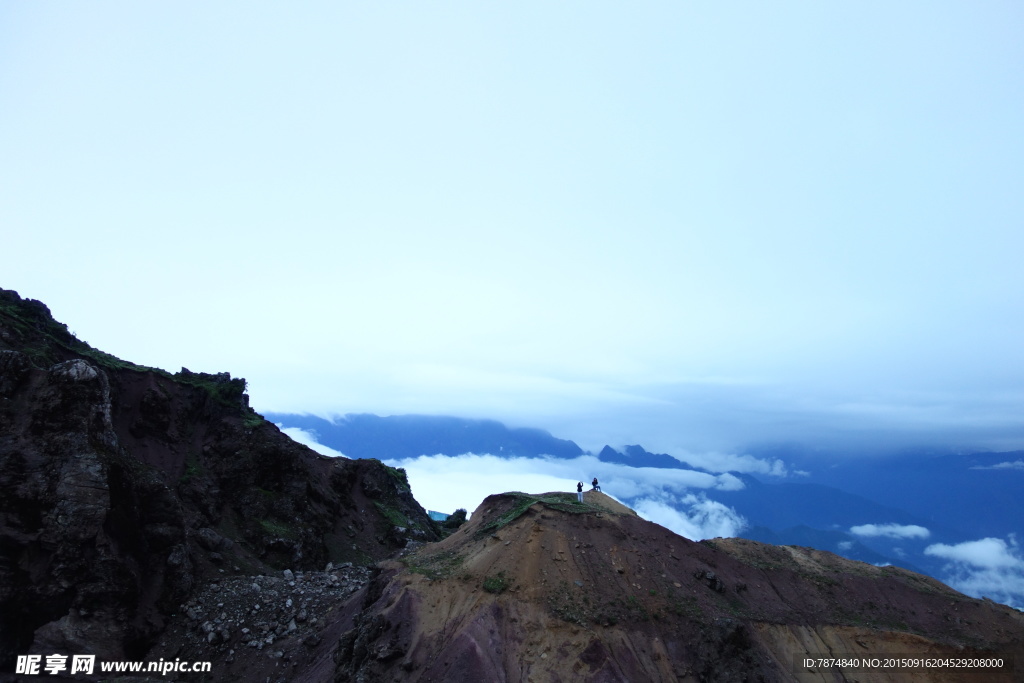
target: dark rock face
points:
(62, 571)
(254, 626)
(126, 489)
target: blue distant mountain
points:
(976, 494)
(784, 505)
(822, 516)
(409, 436)
(636, 456)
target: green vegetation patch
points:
(42, 333)
(456, 519)
(563, 502)
(252, 420)
(442, 565)
(395, 517)
(275, 528)
(193, 469)
(572, 604)
(685, 606)
(637, 609)
(43, 339)
(399, 475)
(496, 583)
(222, 388)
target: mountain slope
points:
(127, 488)
(543, 588)
(840, 543)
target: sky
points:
(695, 226)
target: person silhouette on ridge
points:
(579, 491)
(597, 487)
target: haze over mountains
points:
(953, 516)
(158, 517)
(757, 269)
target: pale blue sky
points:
(689, 225)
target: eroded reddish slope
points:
(544, 589)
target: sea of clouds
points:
(308, 439)
(673, 498)
(988, 567)
(678, 499)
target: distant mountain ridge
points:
(968, 493)
(636, 456)
(408, 436)
(951, 498)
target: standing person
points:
(596, 486)
(579, 491)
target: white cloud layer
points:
(989, 553)
(700, 518)
(445, 483)
(732, 462)
(890, 531)
(988, 567)
(1015, 465)
(309, 439)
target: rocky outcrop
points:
(127, 489)
(544, 588)
(251, 626)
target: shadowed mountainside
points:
(127, 488)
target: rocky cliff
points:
(542, 588)
(126, 490)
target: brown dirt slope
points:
(542, 588)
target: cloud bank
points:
(1015, 465)
(666, 497)
(309, 439)
(700, 518)
(732, 462)
(987, 553)
(988, 567)
(890, 531)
